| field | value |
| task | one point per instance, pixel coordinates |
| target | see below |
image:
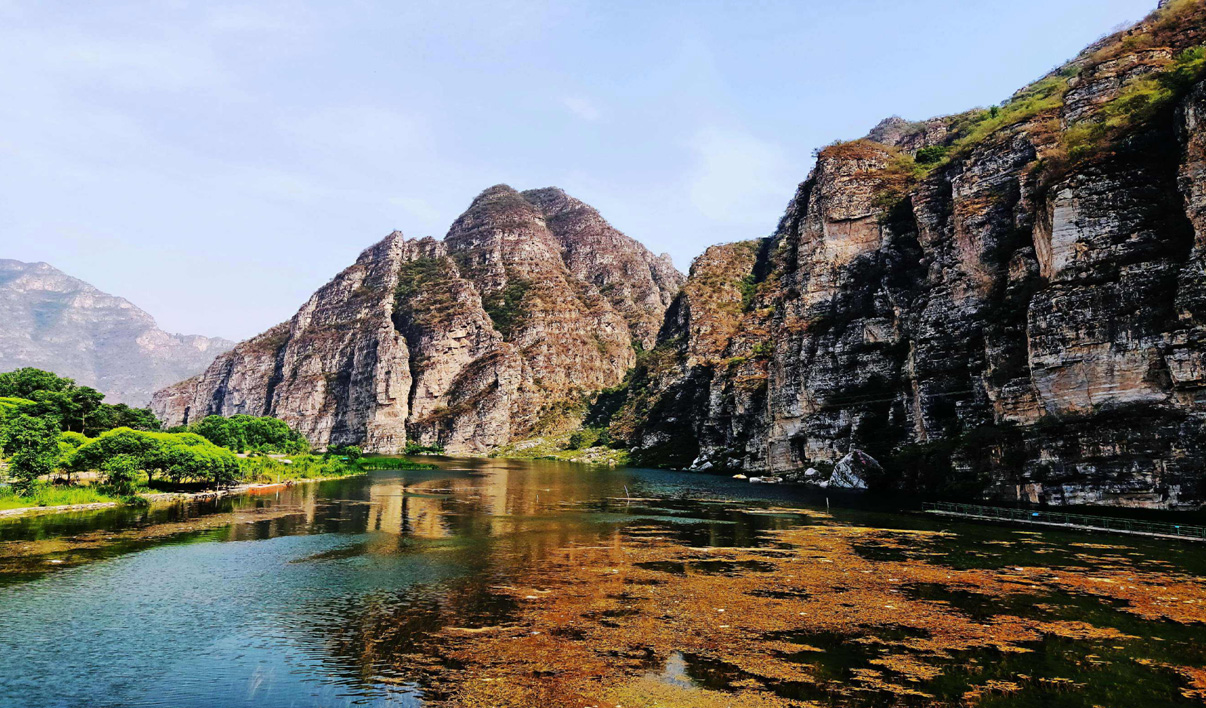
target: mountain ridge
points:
(63, 324)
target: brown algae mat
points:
(820, 617)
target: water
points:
(345, 593)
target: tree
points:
(74, 408)
(121, 474)
(110, 416)
(23, 383)
(34, 449)
(246, 432)
(220, 431)
(68, 443)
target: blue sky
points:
(215, 163)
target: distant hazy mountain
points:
(55, 322)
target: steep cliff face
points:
(1005, 302)
(53, 321)
(469, 342)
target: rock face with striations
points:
(52, 321)
(1007, 303)
(531, 301)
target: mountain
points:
(530, 302)
(1005, 303)
(52, 321)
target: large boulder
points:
(853, 471)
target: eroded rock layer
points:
(531, 301)
(1008, 302)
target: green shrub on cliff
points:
(505, 307)
(1139, 102)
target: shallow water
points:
(391, 589)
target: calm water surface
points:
(307, 596)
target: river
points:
(496, 582)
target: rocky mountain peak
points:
(531, 301)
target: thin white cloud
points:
(581, 107)
(126, 64)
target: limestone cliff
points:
(1008, 302)
(55, 322)
(529, 303)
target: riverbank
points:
(169, 497)
(562, 447)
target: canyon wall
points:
(1007, 303)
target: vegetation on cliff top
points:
(1170, 58)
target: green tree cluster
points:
(246, 433)
(176, 457)
(71, 407)
(31, 444)
(416, 448)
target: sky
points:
(216, 162)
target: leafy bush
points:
(392, 463)
(73, 439)
(587, 438)
(505, 307)
(931, 155)
(350, 452)
(415, 448)
(579, 439)
(748, 287)
(121, 474)
(269, 469)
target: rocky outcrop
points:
(529, 303)
(1003, 303)
(52, 321)
(638, 284)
